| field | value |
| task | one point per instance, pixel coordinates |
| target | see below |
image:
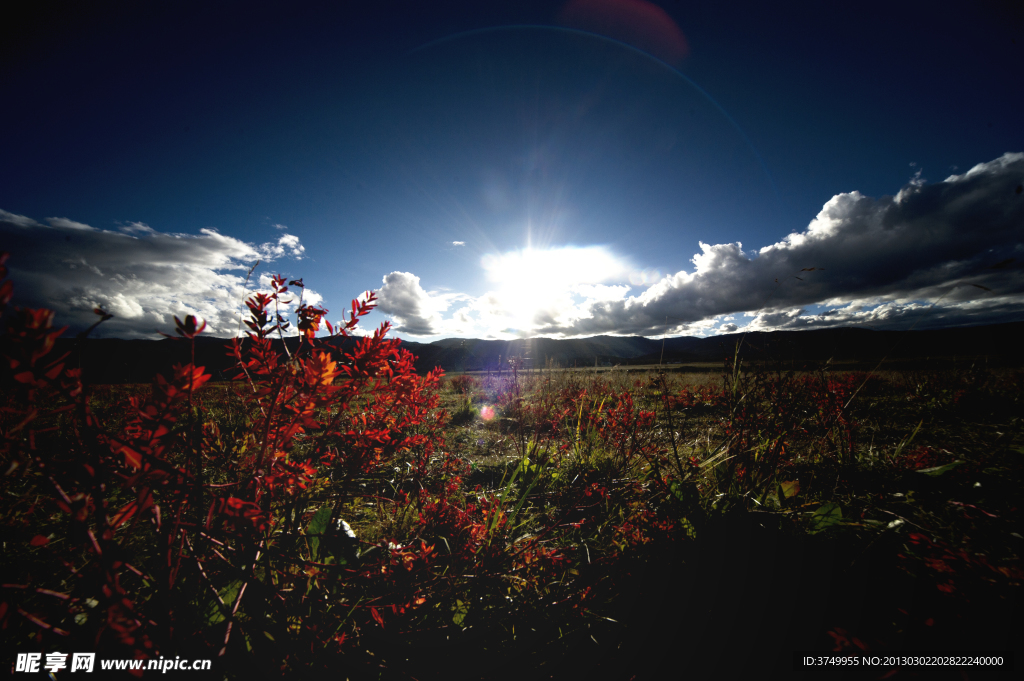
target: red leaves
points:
(463, 385)
(844, 641)
(190, 328)
(320, 369)
(287, 478)
(24, 377)
(258, 315)
(241, 515)
(33, 338)
(955, 571)
(191, 377)
(309, 320)
(691, 398)
(142, 503)
(36, 319)
(315, 422)
(132, 458)
(6, 288)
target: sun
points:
(536, 283)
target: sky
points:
(517, 169)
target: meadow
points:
(335, 513)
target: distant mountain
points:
(1000, 342)
(471, 354)
(110, 360)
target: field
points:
(338, 514)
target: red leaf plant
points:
(213, 521)
(165, 530)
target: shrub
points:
(172, 533)
(462, 385)
(220, 524)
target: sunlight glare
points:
(532, 281)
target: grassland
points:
(887, 519)
(605, 523)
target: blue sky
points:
(516, 169)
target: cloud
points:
(896, 314)
(142, 276)
(458, 243)
(929, 241)
(417, 312)
(403, 298)
(68, 224)
(17, 220)
(287, 244)
(941, 254)
(553, 287)
(935, 254)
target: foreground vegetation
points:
(337, 513)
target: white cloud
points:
(458, 243)
(68, 224)
(287, 244)
(14, 220)
(861, 260)
(413, 309)
(137, 228)
(531, 287)
(142, 276)
(926, 242)
(958, 241)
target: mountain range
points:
(109, 360)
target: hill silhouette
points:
(111, 360)
(998, 343)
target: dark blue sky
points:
(520, 168)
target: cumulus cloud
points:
(959, 240)
(142, 276)
(403, 298)
(940, 254)
(531, 287)
(458, 243)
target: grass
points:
(893, 527)
(339, 514)
(889, 522)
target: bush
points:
(172, 533)
(462, 385)
(230, 523)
